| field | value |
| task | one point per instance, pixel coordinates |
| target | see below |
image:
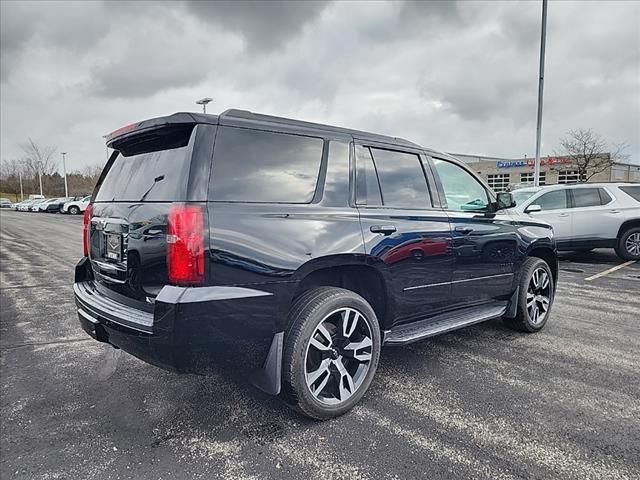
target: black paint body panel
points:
(258, 254)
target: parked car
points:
(76, 206)
(44, 205)
(5, 203)
(23, 206)
(296, 250)
(35, 204)
(587, 216)
(56, 205)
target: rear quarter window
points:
(633, 192)
(258, 166)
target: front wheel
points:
(535, 296)
(629, 244)
(73, 210)
(331, 352)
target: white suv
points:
(76, 206)
(586, 216)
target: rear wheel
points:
(331, 352)
(535, 296)
(629, 244)
(73, 210)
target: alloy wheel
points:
(632, 244)
(338, 356)
(538, 296)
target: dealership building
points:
(504, 173)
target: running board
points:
(412, 332)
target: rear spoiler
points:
(181, 118)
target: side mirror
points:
(533, 208)
(505, 200)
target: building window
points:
(499, 182)
(528, 178)
(570, 176)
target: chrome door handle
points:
(464, 230)
(384, 229)
(614, 211)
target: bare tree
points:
(10, 172)
(92, 171)
(39, 159)
(588, 151)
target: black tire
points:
(311, 309)
(625, 243)
(524, 320)
(73, 210)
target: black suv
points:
(294, 251)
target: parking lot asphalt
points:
(484, 402)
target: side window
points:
(367, 187)
(604, 196)
(401, 179)
(633, 192)
(461, 189)
(256, 166)
(552, 200)
(585, 197)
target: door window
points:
(586, 197)
(401, 178)
(552, 200)
(462, 190)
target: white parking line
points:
(611, 270)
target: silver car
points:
(587, 216)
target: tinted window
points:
(604, 196)
(152, 167)
(552, 200)
(401, 179)
(367, 187)
(632, 191)
(461, 189)
(585, 197)
(256, 166)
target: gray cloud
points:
(265, 25)
(455, 76)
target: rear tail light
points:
(185, 244)
(86, 229)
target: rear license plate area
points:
(113, 246)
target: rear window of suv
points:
(258, 166)
(149, 167)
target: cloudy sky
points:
(455, 76)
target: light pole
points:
(40, 176)
(21, 191)
(543, 41)
(64, 172)
(203, 102)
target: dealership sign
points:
(530, 162)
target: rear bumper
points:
(188, 330)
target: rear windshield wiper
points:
(159, 178)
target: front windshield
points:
(521, 196)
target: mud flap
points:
(269, 377)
